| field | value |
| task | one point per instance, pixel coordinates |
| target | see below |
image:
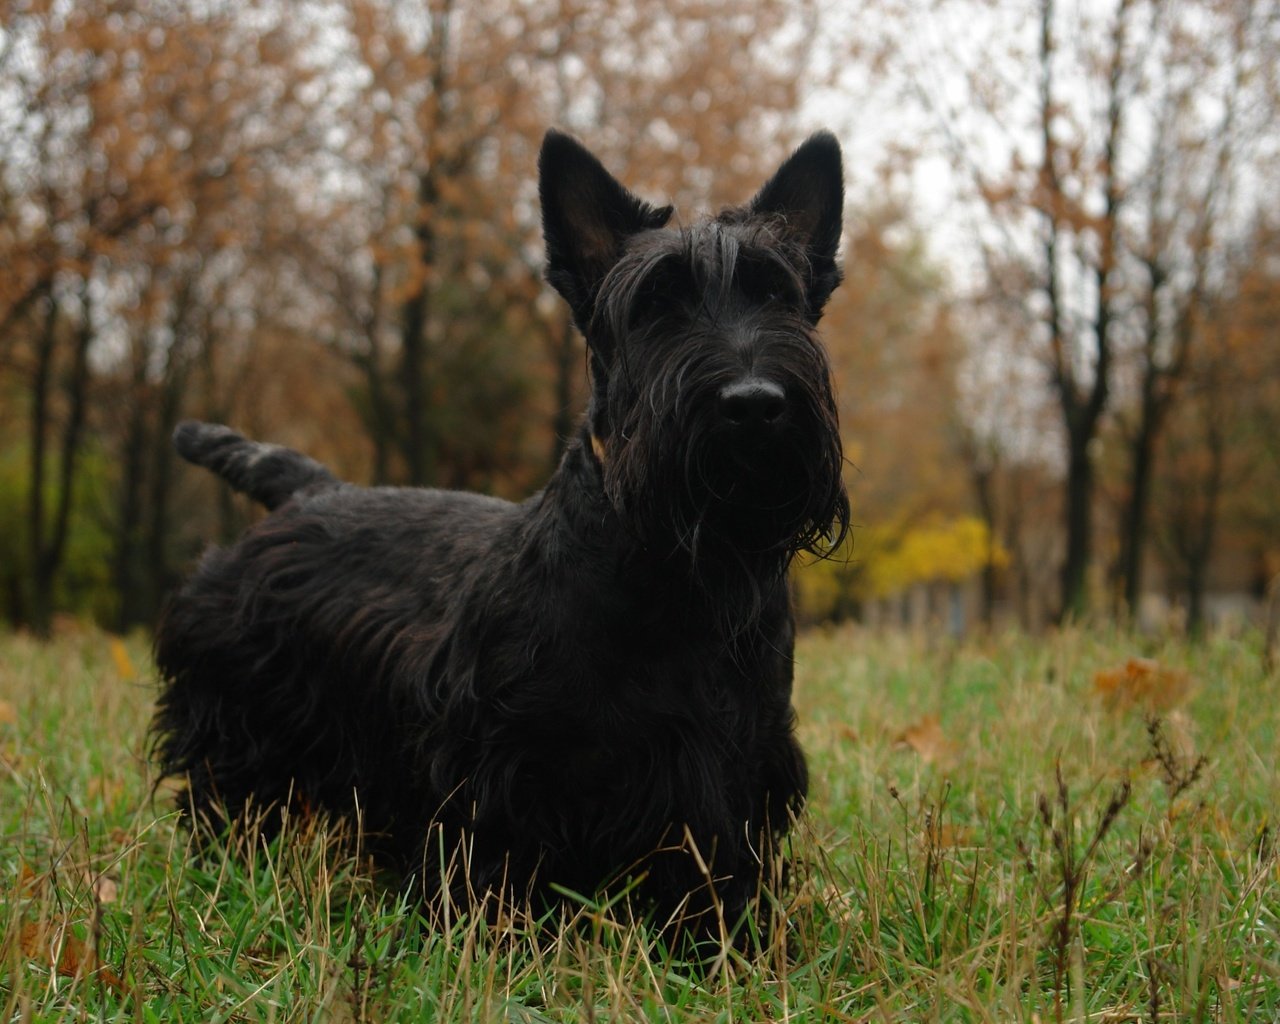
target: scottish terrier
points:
(592, 688)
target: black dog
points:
(594, 685)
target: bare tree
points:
(1099, 145)
(1190, 185)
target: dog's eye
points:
(650, 303)
(768, 283)
(651, 296)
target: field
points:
(1012, 830)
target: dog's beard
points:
(730, 504)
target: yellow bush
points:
(884, 559)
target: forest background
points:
(1056, 349)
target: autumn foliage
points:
(321, 226)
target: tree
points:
(895, 349)
(1210, 86)
(1221, 463)
(1094, 141)
(432, 263)
(1074, 197)
(197, 197)
(127, 129)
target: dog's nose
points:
(752, 402)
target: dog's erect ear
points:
(587, 216)
(806, 195)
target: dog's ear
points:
(587, 217)
(806, 196)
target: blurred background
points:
(1056, 349)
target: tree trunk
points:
(416, 443)
(413, 384)
(1271, 646)
(419, 454)
(984, 488)
(39, 612)
(1082, 402)
(1200, 550)
(1079, 501)
(159, 575)
(14, 599)
(125, 575)
(1159, 380)
(379, 413)
(1133, 539)
(49, 552)
(1195, 597)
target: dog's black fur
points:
(592, 685)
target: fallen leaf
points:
(122, 837)
(66, 954)
(29, 880)
(1144, 682)
(1203, 817)
(106, 889)
(123, 663)
(927, 739)
(839, 903)
(109, 791)
(55, 946)
(948, 836)
(8, 713)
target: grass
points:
(990, 837)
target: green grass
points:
(1030, 854)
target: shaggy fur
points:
(593, 685)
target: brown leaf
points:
(122, 837)
(927, 739)
(8, 713)
(29, 880)
(949, 836)
(66, 954)
(106, 889)
(55, 946)
(1143, 682)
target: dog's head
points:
(712, 411)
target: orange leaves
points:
(109, 790)
(66, 954)
(1142, 682)
(58, 944)
(120, 658)
(928, 740)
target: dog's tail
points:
(268, 473)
